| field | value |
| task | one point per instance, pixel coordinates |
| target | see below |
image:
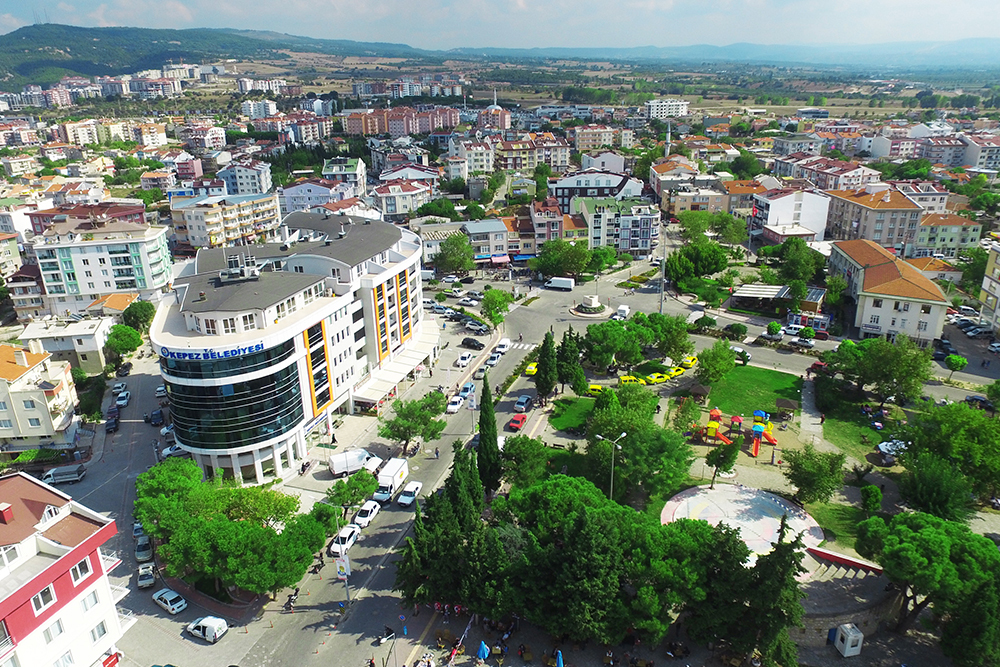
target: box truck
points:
(351, 461)
(391, 480)
(71, 474)
(565, 284)
(622, 313)
(427, 274)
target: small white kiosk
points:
(849, 640)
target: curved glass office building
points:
(258, 351)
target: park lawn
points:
(571, 413)
(574, 462)
(747, 388)
(839, 522)
(847, 427)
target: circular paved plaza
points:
(756, 513)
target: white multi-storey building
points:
(259, 109)
(666, 108)
(37, 399)
(57, 605)
(83, 260)
(246, 177)
(259, 350)
(310, 193)
(210, 221)
(628, 225)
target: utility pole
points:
(663, 276)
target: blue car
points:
(467, 390)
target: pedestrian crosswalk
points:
(524, 346)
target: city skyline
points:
(445, 24)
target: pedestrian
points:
(333, 438)
(431, 371)
(520, 337)
(497, 390)
(982, 364)
(437, 453)
(822, 418)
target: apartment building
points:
(257, 351)
(208, 221)
(58, 605)
(347, 170)
(741, 194)
(949, 151)
(591, 137)
(546, 220)
(387, 156)
(10, 256)
(428, 176)
(489, 240)
(931, 196)
(80, 213)
(825, 173)
(945, 234)
(308, 193)
(246, 177)
(399, 199)
(37, 400)
(798, 143)
(982, 151)
(671, 174)
(594, 183)
(164, 180)
(150, 134)
(690, 198)
(18, 165)
(989, 294)
(204, 138)
(789, 212)
(79, 343)
(81, 261)
(876, 213)
(628, 225)
(604, 161)
(258, 108)
(493, 117)
(478, 155)
(892, 296)
(27, 292)
(894, 148)
(662, 109)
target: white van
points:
(966, 310)
(209, 628)
(503, 346)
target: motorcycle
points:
(387, 635)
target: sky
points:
(444, 24)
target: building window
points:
(229, 325)
(210, 328)
(65, 661)
(925, 310)
(80, 570)
(922, 325)
(6, 423)
(873, 320)
(52, 631)
(249, 322)
(43, 600)
(34, 423)
(29, 404)
(299, 269)
(90, 601)
(877, 303)
(98, 632)
(3, 405)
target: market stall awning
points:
(500, 259)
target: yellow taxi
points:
(531, 369)
(688, 362)
(674, 372)
(595, 389)
(629, 379)
(656, 378)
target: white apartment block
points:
(37, 400)
(347, 170)
(214, 221)
(949, 151)
(478, 156)
(258, 109)
(789, 208)
(661, 109)
(79, 343)
(246, 177)
(628, 225)
(310, 193)
(399, 199)
(982, 151)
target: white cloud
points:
(9, 23)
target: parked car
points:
(454, 405)
(118, 388)
(467, 389)
(656, 378)
(468, 303)
(688, 362)
(112, 411)
(503, 347)
(822, 335)
(464, 360)
(803, 342)
(979, 401)
(985, 332)
(494, 359)
(531, 369)
(994, 347)
(595, 389)
(629, 379)
(345, 539)
(156, 417)
(741, 353)
(472, 344)
(473, 294)
(792, 329)
(450, 279)
(170, 600)
(517, 422)
(775, 337)
(367, 513)
(124, 369)
(111, 425)
(161, 391)
(147, 576)
(456, 292)
(467, 280)
(522, 404)
(410, 493)
(143, 549)
(123, 399)
(173, 450)
(137, 530)
(938, 355)
(480, 373)
(167, 429)
(674, 372)
(477, 327)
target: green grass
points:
(707, 290)
(571, 412)
(746, 388)
(839, 522)
(847, 427)
(575, 463)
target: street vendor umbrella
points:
(483, 652)
(559, 662)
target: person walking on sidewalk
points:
(822, 418)
(437, 453)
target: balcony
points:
(126, 618)
(110, 560)
(118, 592)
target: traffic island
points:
(590, 307)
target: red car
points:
(517, 422)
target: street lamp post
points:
(614, 445)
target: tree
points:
(993, 392)
(353, 491)
(807, 333)
(604, 340)
(139, 315)
(495, 306)
(454, 255)
(677, 267)
(871, 499)
(932, 561)
(671, 336)
(973, 262)
(562, 258)
(797, 291)
(835, 287)
(568, 368)
(524, 460)
(123, 339)
(474, 212)
(79, 375)
(488, 455)
(799, 261)
(954, 363)
(150, 196)
(442, 208)
(815, 475)
(601, 258)
(548, 371)
(936, 486)
(687, 414)
(739, 331)
(773, 328)
(715, 362)
(414, 419)
(723, 458)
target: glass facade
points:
(239, 414)
(219, 368)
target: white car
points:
(454, 405)
(345, 539)
(123, 399)
(161, 391)
(367, 513)
(209, 628)
(503, 346)
(470, 303)
(994, 347)
(410, 493)
(173, 450)
(147, 576)
(448, 280)
(494, 359)
(740, 352)
(170, 600)
(793, 329)
(166, 429)
(464, 360)
(457, 293)
(118, 388)
(803, 342)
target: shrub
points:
(705, 322)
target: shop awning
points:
(392, 372)
(501, 259)
(523, 258)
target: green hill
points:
(45, 53)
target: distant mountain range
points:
(44, 53)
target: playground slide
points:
(723, 439)
(755, 449)
(770, 438)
